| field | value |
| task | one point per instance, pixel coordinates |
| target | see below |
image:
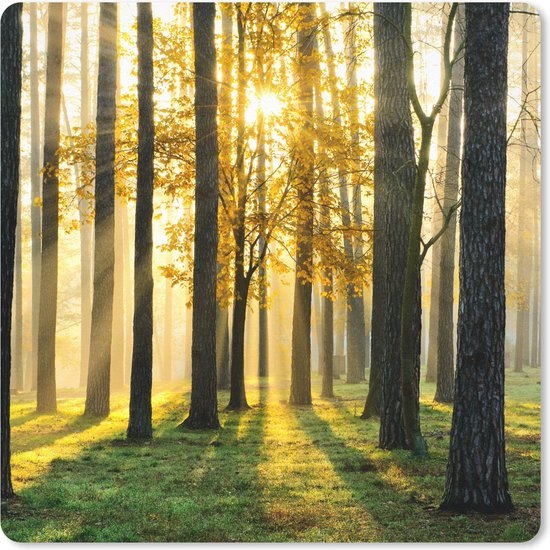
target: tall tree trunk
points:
(523, 233)
(166, 370)
(36, 190)
(17, 364)
(46, 390)
(300, 381)
(476, 476)
(445, 300)
(98, 384)
(226, 123)
(437, 221)
(128, 292)
(356, 307)
(237, 398)
(85, 208)
(394, 171)
(10, 116)
(140, 422)
(204, 406)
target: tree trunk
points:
(222, 347)
(17, 365)
(476, 472)
(46, 390)
(36, 190)
(98, 384)
(237, 398)
(356, 307)
(437, 220)
(445, 330)
(394, 172)
(11, 38)
(166, 371)
(300, 379)
(204, 406)
(140, 422)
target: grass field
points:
(274, 473)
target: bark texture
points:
(203, 412)
(300, 378)
(11, 39)
(476, 476)
(99, 374)
(394, 172)
(45, 391)
(140, 423)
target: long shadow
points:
(360, 474)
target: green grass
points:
(274, 473)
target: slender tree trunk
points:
(128, 292)
(36, 190)
(204, 406)
(445, 330)
(46, 389)
(166, 371)
(225, 111)
(394, 171)
(99, 374)
(476, 476)
(300, 381)
(437, 221)
(140, 422)
(85, 208)
(356, 307)
(10, 116)
(17, 368)
(237, 398)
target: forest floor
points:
(274, 473)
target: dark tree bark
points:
(476, 472)
(394, 172)
(99, 374)
(300, 379)
(445, 300)
(204, 405)
(36, 189)
(237, 398)
(11, 39)
(46, 391)
(140, 423)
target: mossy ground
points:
(274, 473)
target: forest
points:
(271, 272)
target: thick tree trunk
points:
(36, 190)
(46, 390)
(10, 116)
(140, 422)
(204, 405)
(445, 330)
(476, 472)
(99, 374)
(300, 380)
(394, 172)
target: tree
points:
(476, 476)
(140, 423)
(11, 39)
(204, 406)
(46, 390)
(98, 384)
(300, 381)
(394, 172)
(445, 299)
(36, 191)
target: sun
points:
(268, 103)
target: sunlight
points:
(268, 103)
